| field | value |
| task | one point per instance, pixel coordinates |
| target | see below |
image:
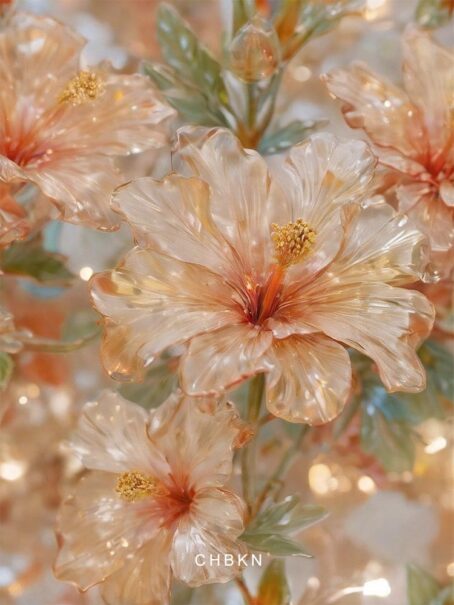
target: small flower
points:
(262, 270)
(153, 499)
(413, 133)
(61, 125)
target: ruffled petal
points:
(310, 379)
(79, 185)
(173, 217)
(112, 436)
(319, 177)
(383, 110)
(447, 193)
(429, 80)
(218, 360)
(242, 202)
(98, 531)
(209, 531)
(196, 436)
(153, 301)
(145, 578)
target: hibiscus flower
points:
(154, 499)
(412, 130)
(261, 270)
(62, 123)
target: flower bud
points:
(254, 51)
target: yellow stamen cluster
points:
(292, 241)
(133, 486)
(85, 86)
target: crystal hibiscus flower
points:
(261, 270)
(413, 133)
(61, 123)
(153, 499)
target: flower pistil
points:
(292, 241)
(85, 86)
(133, 486)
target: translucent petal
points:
(112, 436)
(429, 80)
(145, 578)
(196, 436)
(98, 531)
(152, 302)
(310, 379)
(383, 110)
(210, 529)
(218, 360)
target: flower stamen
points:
(292, 241)
(85, 86)
(134, 486)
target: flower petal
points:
(429, 80)
(112, 436)
(218, 360)
(145, 578)
(211, 528)
(241, 202)
(383, 110)
(79, 185)
(310, 379)
(197, 437)
(97, 531)
(153, 301)
(173, 217)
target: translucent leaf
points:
(289, 135)
(270, 530)
(82, 325)
(30, 259)
(6, 369)
(189, 101)
(433, 13)
(273, 587)
(182, 50)
(439, 366)
(422, 588)
(158, 384)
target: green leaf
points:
(189, 101)
(30, 259)
(273, 587)
(439, 366)
(433, 13)
(182, 50)
(82, 325)
(158, 384)
(422, 588)
(270, 530)
(390, 441)
(289, 135)
(6, 369)
(241, 14)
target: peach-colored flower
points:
(266, 271)
(413, 133)
(154, 499)
(61, 123)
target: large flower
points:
(413, 133)
(62, 123)
(266, 271)
(154, 499)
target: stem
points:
(248, 598)
(281, 469)
(248, 455)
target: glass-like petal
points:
(152, 302)
(97, 531)
(242, 202)
(210, 530)
(173, 217)
(382, 109)
(145, 578)
(112, 436)
(429, 80)
(196, 436)
(220, 359)
(310, 379)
